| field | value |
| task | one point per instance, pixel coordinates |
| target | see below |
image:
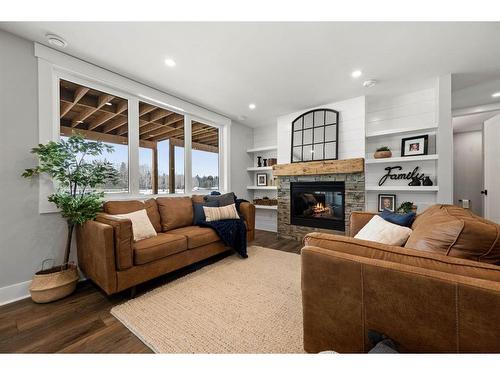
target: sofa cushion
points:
(161, 246)
(457, 232)
(126, 207)
(197, 236)
(175, 212)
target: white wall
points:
(351, 129)
(241, 140)
(26, 237)
(468, 169)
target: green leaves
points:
(64, 161)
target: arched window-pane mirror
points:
(315, 136)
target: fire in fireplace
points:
(318, 204)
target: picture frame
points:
(414, 146)
(387, 201)
(261, 179)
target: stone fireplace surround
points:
(350, 171)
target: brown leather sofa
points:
(438, 294)
(108, 255)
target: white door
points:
(492, 169)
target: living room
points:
(250, 188)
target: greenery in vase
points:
(76, 178)
(405, 207)
(383, 148)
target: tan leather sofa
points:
(438, 294)
(108, 255)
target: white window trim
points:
(54, 65)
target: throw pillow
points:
(199, 214)
(221, 213)
(224, 199)
(379, 230)
(404, 220)
(141, 225)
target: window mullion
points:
(133, 149)
(188, 179)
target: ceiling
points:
(471, 122)
(100, 116)
(281, 67)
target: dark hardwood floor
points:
(82, 323)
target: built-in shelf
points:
(262, 207)
(402, 159)
(399, 131)
(262, 187)
(403, 188)
(256, 169)
(260, 149)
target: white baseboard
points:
(15, 292)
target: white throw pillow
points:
(379, 230)
(141, 225)
(221, 213)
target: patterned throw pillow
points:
(221, 213)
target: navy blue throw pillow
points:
(199, 214)
(404, 220)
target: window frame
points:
(312, 128)
(54, 65)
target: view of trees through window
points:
(99, 116)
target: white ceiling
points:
(281, 67)
(471, 122)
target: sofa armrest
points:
(96, 254)
(123, 239)
(247, 210)
(422, 309)
(358, 220)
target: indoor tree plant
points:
(76, 180)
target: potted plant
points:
(406, 207)
(382, 152)
(76, 180)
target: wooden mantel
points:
(320, 167)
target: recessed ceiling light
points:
(109, 103)
(170, 63)
(356, 74)
(56, 41)
(496, 95)
(252, 106)
(370, 83)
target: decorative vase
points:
(427, 181)
(382, 154)
(54, 283)
(265, 162)
(259, 163)
(415, 181)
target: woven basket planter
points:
(53, 284)
(382, 154)
(266, 202)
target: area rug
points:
(236, 305)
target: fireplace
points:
(318, 204)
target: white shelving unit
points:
(258, 169)
(402, 188)
(402, 159)
(262, 207)
(389, 119)
(262, 187)
(261, 149)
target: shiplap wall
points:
(351, 129)
(414, 110)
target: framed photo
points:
(414, 145)
(386, 201)
(261, 179)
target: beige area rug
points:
(233, 306)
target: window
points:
(315, 136)
(97, 116)
(205, 157)
(161, 150)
